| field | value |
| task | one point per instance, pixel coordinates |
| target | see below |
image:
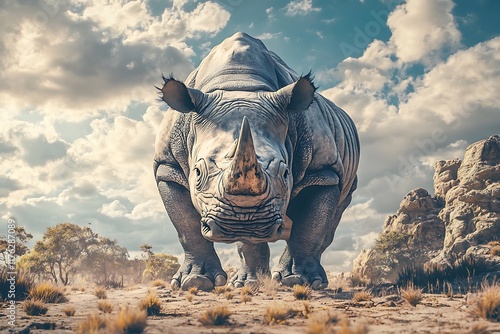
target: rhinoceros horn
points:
(244, 176)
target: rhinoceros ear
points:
(179, 97)
(297, 96)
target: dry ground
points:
(388, 314)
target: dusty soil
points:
(387, 314)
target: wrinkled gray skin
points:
(247, 151)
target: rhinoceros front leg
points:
(254, 260)
(201, 267)
(315, 213)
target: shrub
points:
(345, 328)
(246, 298)
(362, 296)
(159, 283)
(250, 290)
(301, 292)
(219, 290)
(23, 284)
(435, 277)
(193, 290)
(92, 324)
(228, 295)
(47, 293)
(495, 251)
(277, 314)
(487, 303)
(127, 322)
(321, 323)
(189, 297)
(34, 307)
(267, 285)
(217, 316)
(412, 295)
(104, 306)
(69, 311)
(100, 292)
(151, 304)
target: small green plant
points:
(34, 307)
(301, 292)
(47, 293)
(104, 306)
(412, 295)
(362, 296)
(151, 304)
(100, 292)
(216, 316)
(69, 311)
(487, 303)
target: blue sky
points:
(79, 112)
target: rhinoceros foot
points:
(254, 262)
(203, 275)
(302, 271)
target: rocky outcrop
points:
(461, 220)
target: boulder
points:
(461, 220)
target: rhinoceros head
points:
(240, 179)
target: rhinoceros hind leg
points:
(254, 261)
(315, 214)
(201, 267)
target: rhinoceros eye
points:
(200, 170)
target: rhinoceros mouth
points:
(262, 224)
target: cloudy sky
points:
(79, 112)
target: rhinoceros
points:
(250, 153)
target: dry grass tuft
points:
(219, 290)
(487, 303)
(128, 322)
(495, 251)
(346, 328)
(228, 295)
(151, 304)
(277, 314)
(100, 292)
(250, 290)
(302, 292)
(69, 311)
(189, 297)
(35, 307)
(412, 295)
(104, 306)
(268, 285)
(322, 323)
(193, 290)
(362, 296)
(47, 293)
(159, 283)
(479, 328)
(92, 324)
(217, 316)
(246, 298)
